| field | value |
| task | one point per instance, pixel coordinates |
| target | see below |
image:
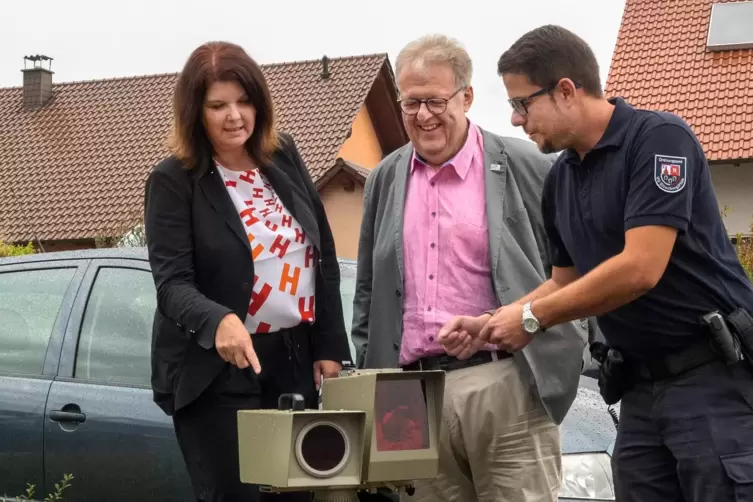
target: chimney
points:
(325, 67)
(37, 81)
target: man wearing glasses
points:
(452, 225)
(636, 238)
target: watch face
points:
(530, 325)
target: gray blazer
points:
(514, 176)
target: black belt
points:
(448, 363)
(677, 363)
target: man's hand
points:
(325, 369)
(458, 334)
(233, 343)
(505, 329)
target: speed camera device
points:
(403, 417)
(292, 449)
(374, 428)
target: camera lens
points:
(322, 449)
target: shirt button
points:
(433, 245)
(431, 277)
(433, 183)
(431, 338)
(433, 213)
(429, 309)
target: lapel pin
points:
(495, 167)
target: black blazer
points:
(201, 261)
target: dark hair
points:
(219, 62)
(550, 53)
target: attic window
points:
(731, 26)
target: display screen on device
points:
(401, 418)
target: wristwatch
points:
(530, 323)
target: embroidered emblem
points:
(670, 173)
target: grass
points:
(52, 497)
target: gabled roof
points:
(75, 168)
(661, 62)
(358, 172)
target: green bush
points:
(744, 248)
(15, 250)
(52, 497)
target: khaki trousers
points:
(497, 443)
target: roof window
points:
(731, 26)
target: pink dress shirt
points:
(445, 247)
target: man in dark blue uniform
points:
(636, 239)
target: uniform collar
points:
(614, 135)
(618, 124)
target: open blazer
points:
(201, 261)
(514, 172)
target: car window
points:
(115, 340)
(29, 304)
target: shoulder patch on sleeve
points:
(670, 173)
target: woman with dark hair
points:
(245, 267)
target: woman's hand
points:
(233, 343)
(325, 369)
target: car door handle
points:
(67, 416)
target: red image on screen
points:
(401, 419)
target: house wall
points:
(362, 147)
(734, 188)
(342, 197)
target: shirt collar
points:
(617, 128)
(618, 124)
(461, 162)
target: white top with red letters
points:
(284, 257)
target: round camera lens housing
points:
(322, 449)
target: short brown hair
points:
(219, 62)
(550, 53)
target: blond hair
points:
(437, 49)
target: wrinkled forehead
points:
(426, 80)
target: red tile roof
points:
(661, 62)
(75, 168)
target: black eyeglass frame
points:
(437, 102)
(520, 105)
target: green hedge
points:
(744, 247)
(15, 250)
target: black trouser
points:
(207, 428)
(687, 438)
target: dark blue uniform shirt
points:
(647, 169)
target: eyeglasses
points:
(520, 105)
(436, 106)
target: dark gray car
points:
(75, 339)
